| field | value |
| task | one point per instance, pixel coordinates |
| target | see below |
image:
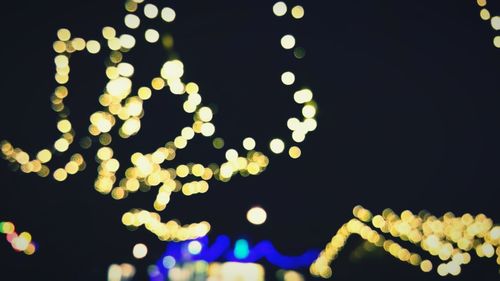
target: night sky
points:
(408, 118)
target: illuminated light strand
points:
(494, 21)
(20, 242)
(123, 108)
(170, 230)
(449, 238)
(64, 47)
(222, 250)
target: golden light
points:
(279, 9)
(287, 42)
(249, 143)
(123, 106)
(151, 35)
(277, 146)
(256, 215)
(287, 78)
(298, 12)
(495, 22)
(132, 21)
(140, 251)
(150, 11)
(168, 14)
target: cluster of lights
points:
(20, 242)
(485, 15)
(121, 272)
(170, 230)
(448, 238)
(122, 108)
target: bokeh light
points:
(257, 215)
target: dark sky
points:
(408, 119)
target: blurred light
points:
(140, 251)
(241, 250)
(151, 35)
(249, 143)
(256, 215)
(150, 11)
(169, 261)
(287, 42)
(132, 21)
(287, 78)
(277, 146)
(279, 8)
(194, 247)
(168, 14)
(298, 12)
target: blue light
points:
(221, 250)
(168, 262)
(241, 250)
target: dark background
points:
(408, 119)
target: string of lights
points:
(449, 238)
(122, 104)
(21, 242)
(485, 15)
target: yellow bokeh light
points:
(309, 111)
(93, 46)
(298, 12)
(152, 35)
(144, 93)
(61, 145)
(484, 14)
(168, 14)
(126, 41)
(108, 32)
(207, 129)
(287, 42)
(44, 156)
(205, 114)
(64, 126)
(60, 174)
(294, 152)
(140, 251)
(63, 34)
(249, 143)
(496, 41)
(132, 21)
(277, 146)
(287, 78)
(495, 22)
(303, 96)
(279, 9)
(150, 11)
(256, 215)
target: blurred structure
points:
(20, 242)
(448, 238)
(197, 259)
(121, 272)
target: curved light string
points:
(450, 239)
(494, 21)
(122, 113)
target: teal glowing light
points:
(241, 249)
